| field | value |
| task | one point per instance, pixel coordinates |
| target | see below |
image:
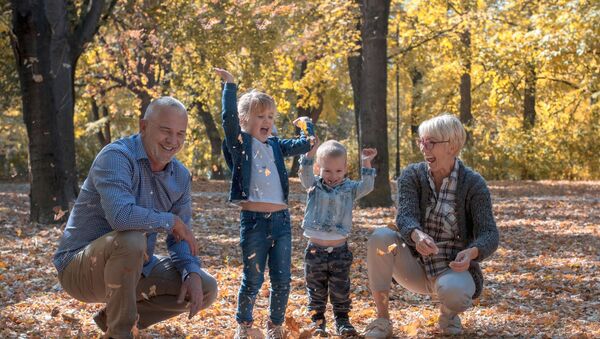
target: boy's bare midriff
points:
(327, 243)
(264, 207)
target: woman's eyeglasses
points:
(429, 145)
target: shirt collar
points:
(323, 185)
(452, 177)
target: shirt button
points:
(151, 192)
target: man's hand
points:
(192, 289)
(182, 232)
(424, 243)
(224, 74)
(367, 155)
(463, 259)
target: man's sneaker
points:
(378, 329)
(320, 327)
(450, 325)
(243, 331)
(344, 328)
(100, 319)
(275, 331)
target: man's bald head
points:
(164, 102)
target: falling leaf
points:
(152, 291)
(252, 255)
(115, 286)
(380, 252)
(58, 213)
(240, 139)
(267, 172)
(257, 268)
(392, 247)
(145, 296)
(37, 77)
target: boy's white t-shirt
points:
(309, 233)
(265, 185)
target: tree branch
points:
(562, 81)
(86, 28)
(422, 42)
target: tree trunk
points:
(103, 134)
(216, 169)
(529, 114)
(145, 100)
(311, 112)
(355, 70)
(373, 103)
(416, 78)
(466, 117)
(46, 51)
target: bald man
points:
(136, 189)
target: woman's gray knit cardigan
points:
(473, 212)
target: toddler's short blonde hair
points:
(254, 102)
(331, 148)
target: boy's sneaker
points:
(275, 331)
(243, 331)
(344, 328)
(378, 329)
(320, 327)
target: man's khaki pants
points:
(109, 271)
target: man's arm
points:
(180, 251)
(112, 174)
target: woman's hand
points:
(463, 259)
(424, 243)
(224, 74)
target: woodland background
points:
(521, 75)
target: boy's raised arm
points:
(231, 122)
(367, 173)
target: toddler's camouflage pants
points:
(327, 273)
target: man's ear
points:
(143, 124)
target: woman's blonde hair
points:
(254, 102)
(330, 148)
(445, 127)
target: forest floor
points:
(544, 280)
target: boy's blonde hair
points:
(254, 102)
(331, 148)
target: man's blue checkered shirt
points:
(122, 193)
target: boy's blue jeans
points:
(265, 238)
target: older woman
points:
(445, 228)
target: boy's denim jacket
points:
(237, 149)
(330, 209)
